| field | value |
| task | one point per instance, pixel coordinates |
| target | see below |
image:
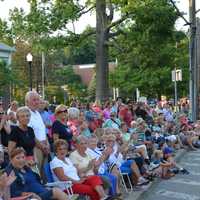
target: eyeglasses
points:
(62, 111)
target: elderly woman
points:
(64, 170)
(73, 120)
(23, 135)
(83, 161)
(60, 128)
(28, 182)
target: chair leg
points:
(130, 183)
(124, 183)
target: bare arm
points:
(11, 146)
(7, 128)
(59, 172)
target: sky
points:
(88, 19)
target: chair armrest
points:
(66, 184)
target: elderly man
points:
(32, 100)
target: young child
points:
(164, 161)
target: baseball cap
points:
(167, 150)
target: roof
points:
(86, 71)
(4, 47)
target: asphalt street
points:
(180, 187)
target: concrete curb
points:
(141, 194)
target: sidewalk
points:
(139, 195)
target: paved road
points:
(180, 187)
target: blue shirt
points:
(26, 181)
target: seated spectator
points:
(84, 162)
(126, 136)
(23, 135)
(167, 163)
(28, 182)
(113, 122)
(158, 164)
(73, 120)
(133, 127)
(84, 130)
(125, 114)
(100, 164)
(64, 170)
(118, 158)
(144, 136)
(60, 128)
(96, 107)
(107, 110)
(188, 137)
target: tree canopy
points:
(140, 34)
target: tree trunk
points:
(102, 70)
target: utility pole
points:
(198, 66)
(193, 68)
(175, 90)
(43, 74)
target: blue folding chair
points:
(51, 183)
(48, 173)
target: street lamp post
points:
(29, 59)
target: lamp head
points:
(29, 57)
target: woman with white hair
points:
(23, 135)
(73, 122)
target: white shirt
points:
(116, 158)
(68, 168)
(168, 114)
(38, 126)
(96, 154)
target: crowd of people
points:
(92, 145)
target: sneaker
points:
(184, 171)
(142, 181)
(153, 166)
(108, 198)
(137, 188)
(140, 188)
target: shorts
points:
(47, 195)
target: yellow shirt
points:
(81, 162)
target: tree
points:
(142, 28)
(67, 78)
(5, 35)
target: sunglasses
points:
(2, 113)
(62, 111)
